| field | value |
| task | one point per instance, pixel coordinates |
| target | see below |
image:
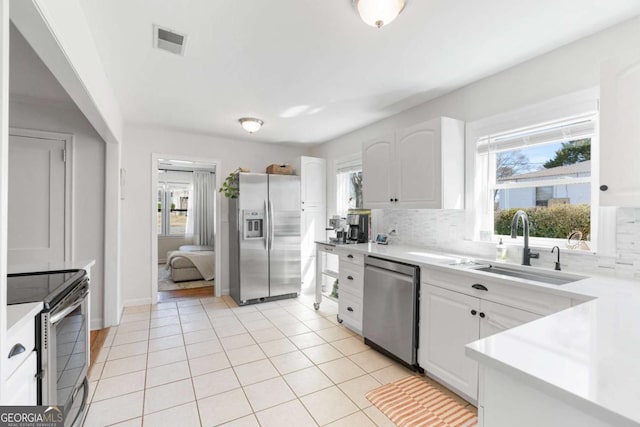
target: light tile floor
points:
(207, 362)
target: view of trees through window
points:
(551, 182)
(173, 205)
(349, 190)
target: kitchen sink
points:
(534, 276)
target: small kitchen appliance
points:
(359, 222)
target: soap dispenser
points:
(501, 250)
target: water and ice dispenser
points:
(253, 224)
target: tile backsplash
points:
(445, 230)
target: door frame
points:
(153, 207)
(69, 180)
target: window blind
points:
(554, 132)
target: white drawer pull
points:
(16, 350)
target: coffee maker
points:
(359, 222)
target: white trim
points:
(69, 180)
(345, 163)
(153, 207)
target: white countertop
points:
(587, 355)
(54, 266)
(18, 314)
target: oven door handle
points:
(61, 315)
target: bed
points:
(191, 262)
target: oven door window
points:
(71, 354)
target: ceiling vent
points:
(168, 40)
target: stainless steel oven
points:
(62, 336)
(64, 352)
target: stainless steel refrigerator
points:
(264, 238)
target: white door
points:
(313, 228)
(620, 132)
(36, 200)
(418, 166)
(313, 181)
(500, 317)
(448, 322)
(378, 180)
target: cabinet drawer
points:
(22, 383)
(351, 279)
(502, 291)
(350, 310)
(25, 336)
(351, 258)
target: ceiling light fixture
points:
(379, 13)
(251, 124)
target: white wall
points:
(568, 69)
(139, 144)
(89, 181)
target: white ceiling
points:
(310, 68)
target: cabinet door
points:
(446, 326)
(378, 180)
(23, 384)
(313, 222)
(419, 166)
(620, 132)
(500, 317)
(313, 181)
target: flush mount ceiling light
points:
(379, 13)
(251, 124)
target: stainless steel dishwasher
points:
(391, 308)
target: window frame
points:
(351, 163)
(577, 104)
(165, 191)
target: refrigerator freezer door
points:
(254, 256)
(284, 224)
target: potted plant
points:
(229, 187)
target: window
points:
(544, 170)
(173, 208)
(349, 188)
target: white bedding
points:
(204, 261)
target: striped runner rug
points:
(415, 402)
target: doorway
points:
(186, 227)
(40, 179)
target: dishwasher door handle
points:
(400, 276)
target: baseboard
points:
(137, 301)
(96, 324)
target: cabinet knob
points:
(16, 350)
(604, 187)
(303, 203)
(349, 309)
(482, 315)
(391, 199)
(395, 200)
(473, 312)
(479, 287)
(350, 277)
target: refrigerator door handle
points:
(266, 227)
(271, 226)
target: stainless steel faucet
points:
(526, 252)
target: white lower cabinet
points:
(351, 290)
(22, 384)
(450, 320)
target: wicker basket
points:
(280, 169)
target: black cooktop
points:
(47, 286)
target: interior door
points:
(313, 181)
(284, 223)
(36, 200)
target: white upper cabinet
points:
(313, 181)
(420, 167)
(378, 180)
(620, 132)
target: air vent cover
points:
(168, 40)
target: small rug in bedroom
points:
(166, 284)
(415, 401)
